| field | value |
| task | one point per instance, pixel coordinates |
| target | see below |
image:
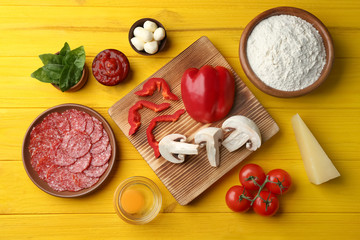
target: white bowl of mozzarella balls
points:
(147, 36)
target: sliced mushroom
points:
(245, 131)
(211, 137)
(175, 144)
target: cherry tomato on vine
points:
(250, 173)
(267, 204)
(282, 179)
(235, 201)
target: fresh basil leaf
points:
(69, 77)
(64, 78)
(76, 57)
(80, 57)
(51, 58)
(41, 75)
(53, 71)
(64, 69)
(65, 49)
(69, 59)
(77, 75)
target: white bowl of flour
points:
(286, 52)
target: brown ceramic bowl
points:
(33, 174)
(324, 33)
(140, 23)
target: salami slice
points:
(49, 137)
(54, 178)
(101, 145)
(58, 121)
(46, 147)
(40, 152)
(34, 146)
(100, 159)
(42, 166)
(93, 171)
(76, 143)
(89, 128)
(36, 130)
(69, 180)
(76, 119)
(97, 132)
(85, 181)
(63, 158)
(80, 164)
(41, 162)
(61, 179)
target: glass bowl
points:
(145, 201)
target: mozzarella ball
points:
(159, 34)
(137, 31)
(137, 43)
(150, 26)
(151, 47)
(143, 34)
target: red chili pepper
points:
(156, 84)
(208, 93)
(134, 117)
(163, 118)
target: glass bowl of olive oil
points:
(137, 200)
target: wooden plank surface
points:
(109, 226)
(188, 180)
(332, 112)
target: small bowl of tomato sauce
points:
(137, 200)
(110, 67)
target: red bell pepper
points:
(208, 93)
(163, 118)
(134, 117)
(156, 84)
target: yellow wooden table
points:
(332, 112)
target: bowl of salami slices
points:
(69, 150)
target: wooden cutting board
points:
(188, 180)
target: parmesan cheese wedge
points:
(318, 165)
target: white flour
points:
(286, 52)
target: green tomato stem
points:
(261, 187)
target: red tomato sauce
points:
(110, 67)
